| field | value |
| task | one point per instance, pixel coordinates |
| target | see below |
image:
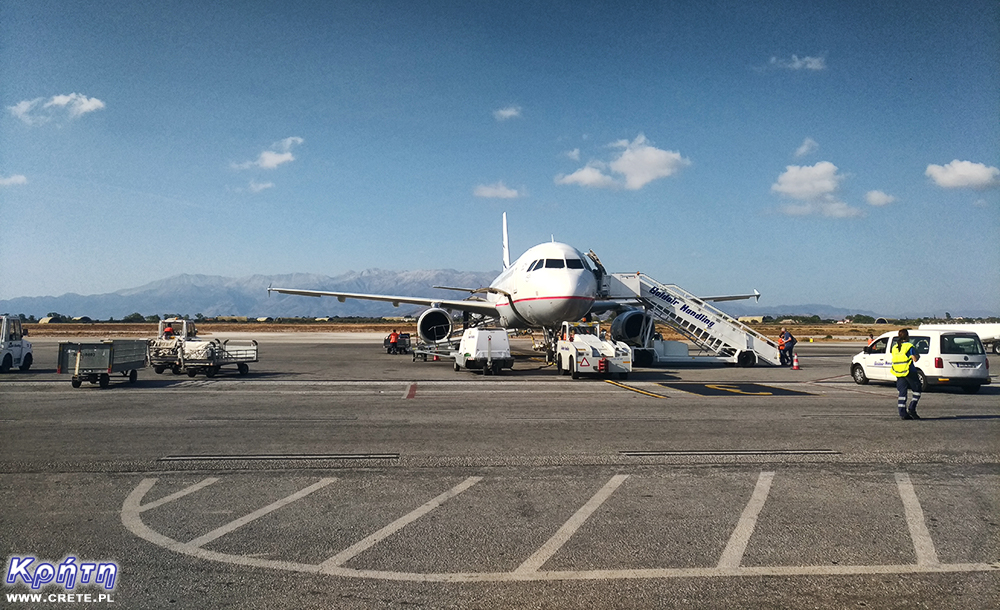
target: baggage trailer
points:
(97, 361)
(178, 348)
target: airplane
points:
(549, 283)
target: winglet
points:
(756, 295)
(506, 245)
(269, 291)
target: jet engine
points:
(627, 327)
(434, 325)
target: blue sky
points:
(840, 153)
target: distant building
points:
(751, 319)
(47, 320)
(265, 319)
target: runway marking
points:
(634, 389)
(926, 564)
(180, 494)
(412, 391)
(279, 456)
(564, 533)
(732, 556)
(257, 514)
(922, 543)
(725, 389)
(370, 541)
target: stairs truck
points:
(582, 349)
(15, 350)
(178, 348)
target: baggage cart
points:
(96, 361)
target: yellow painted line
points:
(637, 390)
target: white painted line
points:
(564, 533)
(179, 494)
(132, 521)
(370, 541)
(232, 525)
(732, 556)
(922, 543)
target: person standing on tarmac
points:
(393, 341)
(903, 357)
(782, 357)
(789, 346)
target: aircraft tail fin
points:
(506, 246)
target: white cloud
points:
(878, 198)
(589, 175)
(799, 63)
(256, 187)
(816, 186)
(58, 107)
(639, 164)
(13, 180)
(573, 154)
(808, 182)
(808, 147)
(830, 209)
(496, 191)
(964, 174)
(270, 159)
(509, 112)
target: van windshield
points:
(961, 344)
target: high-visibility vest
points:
(781, 343)
(901, 359)
(393, 337)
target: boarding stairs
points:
(704, 325)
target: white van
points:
(945, 358)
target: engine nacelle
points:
(433, 325)
(627, 327)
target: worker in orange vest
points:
(393, 341)
(782, 357)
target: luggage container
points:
(97, 361)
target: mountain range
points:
(212, 295)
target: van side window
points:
(878, 347)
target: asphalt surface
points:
(337, 476)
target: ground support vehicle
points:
(484, 349)
(582, 349)
(944, 358)
(178, 348)
(402, 344)
(15, 350)
(95, 362)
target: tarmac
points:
(334, 475)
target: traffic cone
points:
(795, 363)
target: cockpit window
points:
(554, 263)
(534, 265)
(574, 263)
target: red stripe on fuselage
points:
(567, 298)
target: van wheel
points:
(858, 372)
(971, 389)
(922, 379)
(26, 363)
(457, 367)
(572, 369)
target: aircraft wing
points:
(474, 306)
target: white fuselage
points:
(548, 284)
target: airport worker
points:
(168, 332)
(781, 350)
(393, 341)
(871, 338)
(904, 354)
(789, 345)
